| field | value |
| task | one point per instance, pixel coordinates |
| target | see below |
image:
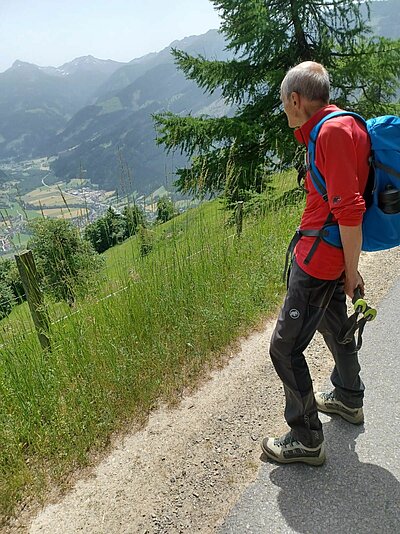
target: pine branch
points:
(231, 154)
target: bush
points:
(11, 288)
(107, 231)
(6, 299)
(146, 239)
(134, 217)
(114, 228)
(64, 260)
(165, 210)
(13, 280)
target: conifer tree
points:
(235, 154)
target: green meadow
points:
(151, 327)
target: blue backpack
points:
(381, 221)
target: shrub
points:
(65, 261)
(6, 299)
(134, 217)
(107, 231)
(146, 241)
(165, 210)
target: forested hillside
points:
(121, 119)
(90, 113)
(37, 102)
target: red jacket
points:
(342, 153)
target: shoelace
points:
(287, 439)
(328, 396)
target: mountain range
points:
(96, 115)
(37, 102)
(118, 126)
(93, 114)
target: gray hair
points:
(309, 79)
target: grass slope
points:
(199, 289)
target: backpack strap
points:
(320, 184)
(386, 168)
(319, 234)
(316, 177)
(328, 233)
(289, 256)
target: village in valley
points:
(29, 189)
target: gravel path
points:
(187, 468)
(357, 490)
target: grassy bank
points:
(197, 291)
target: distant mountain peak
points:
(18, 64)
(88, 63)
(190, 39)
(83, 60)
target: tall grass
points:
(199, 289)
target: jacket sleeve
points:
(336, 158)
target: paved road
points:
(358, 488)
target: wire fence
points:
(21, 324)
(13, 301)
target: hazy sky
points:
(52, 32)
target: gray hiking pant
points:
(310, 305)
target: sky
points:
(53, 32)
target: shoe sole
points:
(344, 416)
(309, 461)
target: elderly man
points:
(321, 274)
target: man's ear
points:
(295, 97)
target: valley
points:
(29, 189)
(80, 137)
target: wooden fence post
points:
(239, 218)
(27, 270)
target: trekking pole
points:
(353, 323)
(361, 306)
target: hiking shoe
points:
(287, 450)
(326, 402)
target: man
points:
(321, 275)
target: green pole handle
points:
(361, 306)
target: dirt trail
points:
(186, 469)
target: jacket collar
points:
(302, 134)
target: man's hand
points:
(352, 282)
